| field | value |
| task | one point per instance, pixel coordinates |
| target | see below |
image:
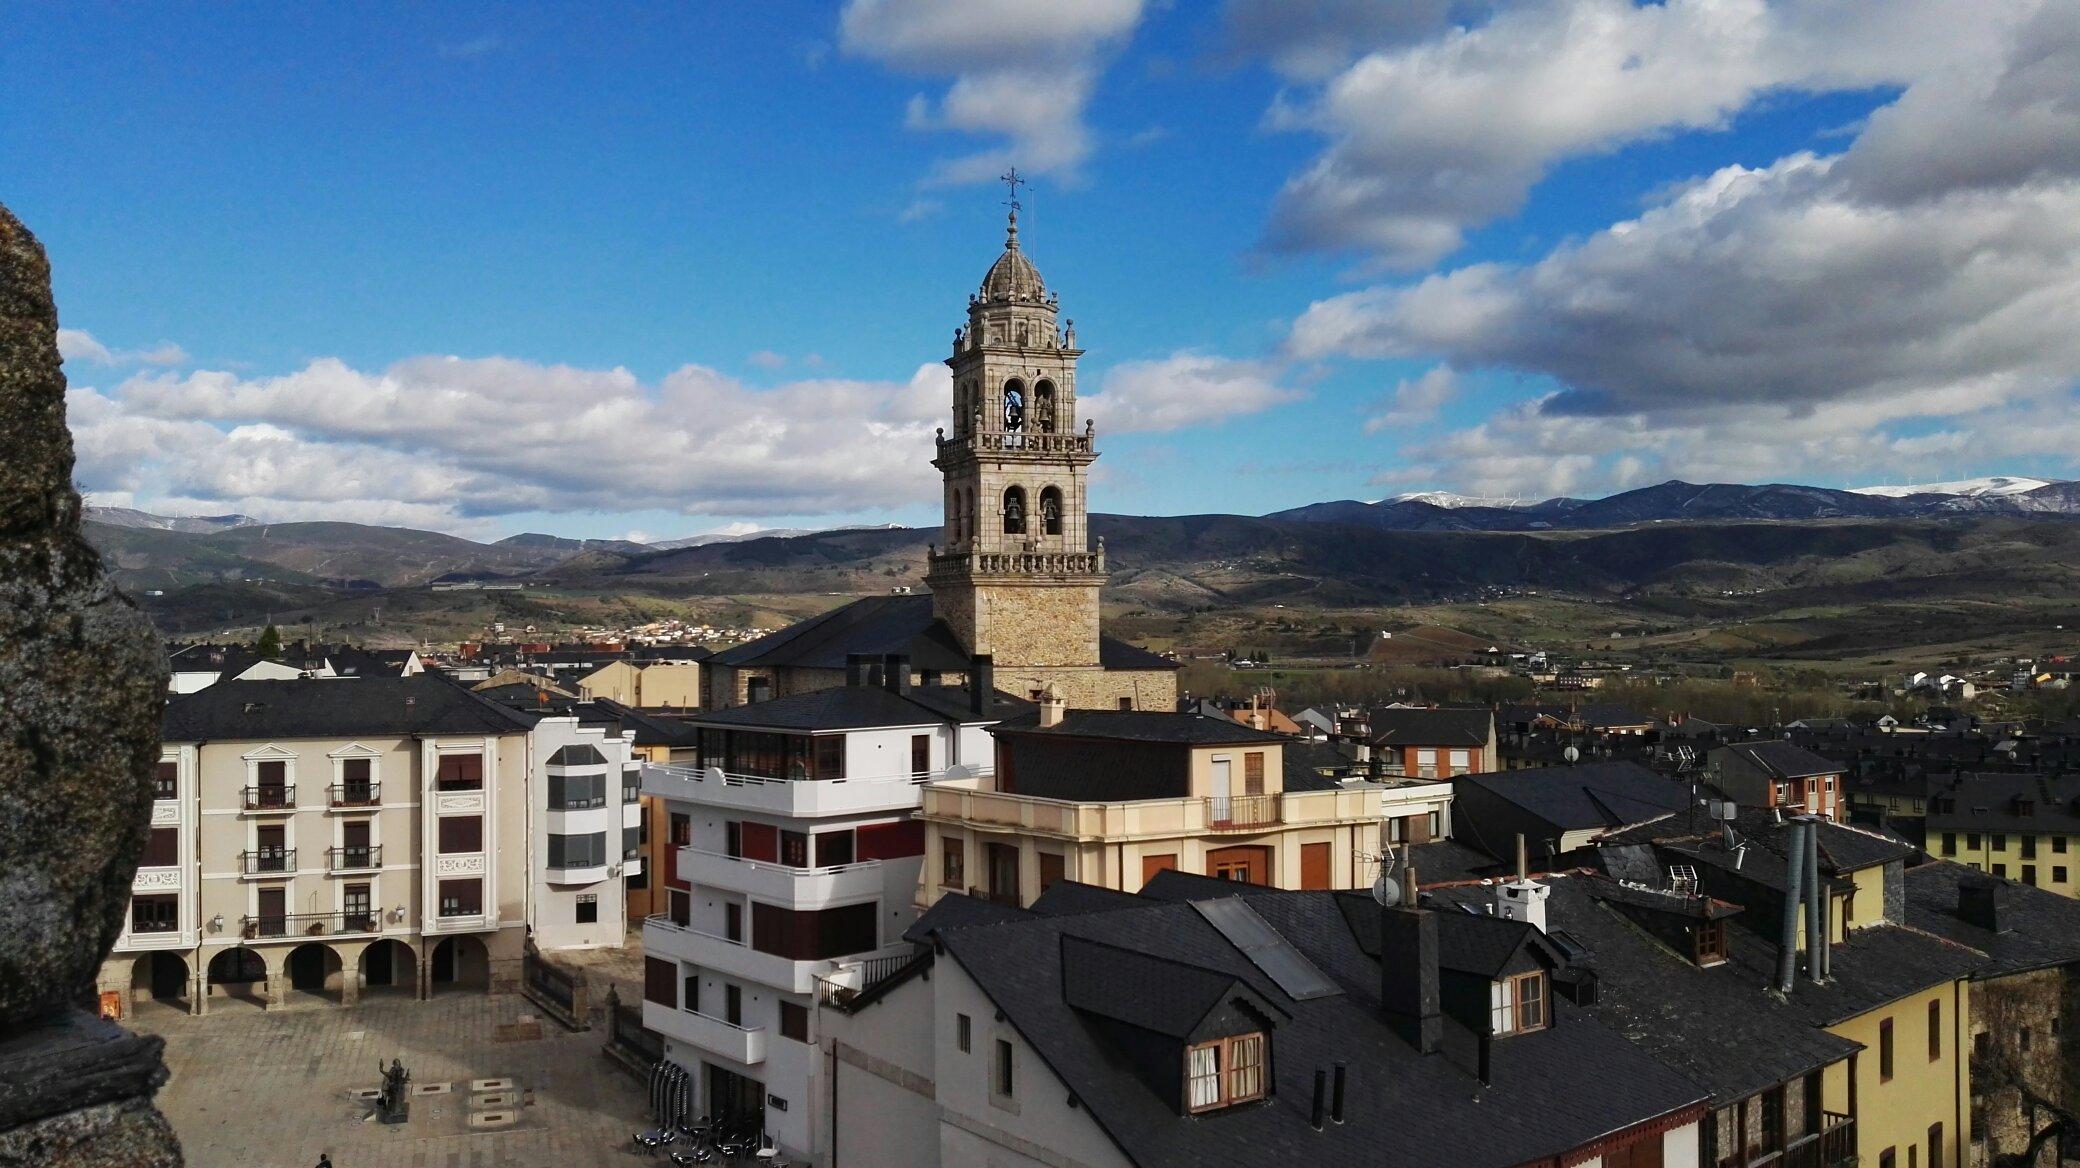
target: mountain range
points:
(1686, 546)
(1678, 501)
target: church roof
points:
(1013, 276)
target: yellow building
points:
(1111, 798)
(2016, 827)
(661, 685)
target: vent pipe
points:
(1321, 1087)
(1816, 899)
(1336, 1094)
(1794, 880)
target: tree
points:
(271, 644)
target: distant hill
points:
(1678, 501)
(536, 541)
(197, 524)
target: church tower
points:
(1016, 576)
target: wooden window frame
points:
(1228, 1070)
(1711, 942)
(1515, 1002)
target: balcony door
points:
(354, 848)
(273, 911)
(1001, 864)
(271, 848)
(1222, 790)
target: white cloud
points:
(766, 359)
(1185, 389)
(1023, 72)
(1885, 309)
(1311, 41)
(1426, 140)
(81, 345)
(1415, 401)
(447, 441)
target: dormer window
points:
(1711, 942)
(1517, 1004)
(1224, 1072)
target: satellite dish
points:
(1385, 890)
(1572, 754)
(959, 771)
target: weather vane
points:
(1012, 180)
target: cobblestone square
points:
(254, 1089)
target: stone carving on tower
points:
(1016, 576)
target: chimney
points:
(895, 673)
(1979, 902)
(1794, 882)
(1051, 707)
(1523, 899)
(856, 668)
(1336, 1093)
(982, 683)
(1408, 979)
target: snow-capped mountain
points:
(1449, 499)
(1969, 488)
(192, 524)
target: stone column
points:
(85, 679)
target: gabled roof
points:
(1783, 760)
(424, 703)
(1717, 1027)
(1069, 897)
(1402, 1109)
(1113, 982)
(2021, 803)
(958, 910)
(875, 625)
(2039, 929)
(1582, 797)
(1115, 654)
(1396, 726)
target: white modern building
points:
(793, 848)
(584, 837)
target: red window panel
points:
(889, 841)
(761, 842)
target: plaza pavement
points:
(254, 1089)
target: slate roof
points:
(650, 729)
(1069, 897)
(1114, 653)
(1402, 1109)
(1715, 1026)
(1142, 726)
(1877, 966)
(960, 910)
(1446, 860)
(1784, 760)
(1994, 802)
(1304, 762)
(578, 754)
(1554, 800)
(1843, 847)
(877, 625)
(424, 703)
(859, 707)
(1113, 982)
(1395, 726)
(2038, 928)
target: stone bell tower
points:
(1016, 576)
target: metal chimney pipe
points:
(1336, 1094)
(1816, 934)
(1794, 878)
(1523, 860)
(1321, 1086)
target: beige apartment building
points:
(652, 685)
(330, 837)
(1111, 798)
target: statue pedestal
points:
(76, 1092)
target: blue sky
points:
(598, 270)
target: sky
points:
(647, 272)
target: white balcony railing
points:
(796, 888)
(715, 787)
(666, 938)
(740, 1044)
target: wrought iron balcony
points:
(354, 859)
(367, 793)
(270, 797)
(1244, 812)
(268, 861)
(310, 925)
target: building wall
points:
(1027, 622)
(666, 684)
(554, 899)
(2047, 860)
(880, 1071)
(2018, 1028)
(1036, 1126)
(1922, 1091)
(217, 897)
(1347, 821)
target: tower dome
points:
(1013, 277)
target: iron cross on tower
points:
(1013, 180)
